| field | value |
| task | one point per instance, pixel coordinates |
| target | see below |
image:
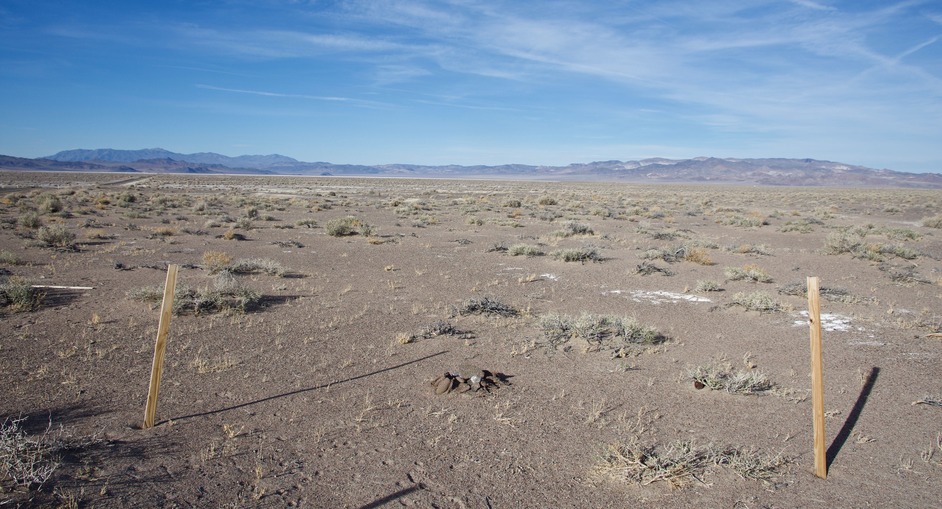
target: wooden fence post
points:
(817, 378)
(163, 329)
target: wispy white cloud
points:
(263, 93)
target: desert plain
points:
(651, 340)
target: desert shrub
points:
(582, 255)
(708, 286)
(699, 256)
(165, 231)
(26, 461)
(244, 223)
(30, 220)
(572, 228)
(441, 328)
(344, 226)
(307, 223)
(599, 331)
(757, 249)
(852, 241)
(524, 250)
(842, 242)
(484, 306)
(722, 376)
(646, 268)
(233, 297)
(933, 222)
(256, 265)
(753, 220)
(800, 226)
(56, 236)
(831, 294)
(50, 203)
(749, 272)
(9, 258)
(231, 234)
(682, 462)
(547, 200)
(513, 203)
(756, 301)
(497, 247)
(18, 294)
(216, 260)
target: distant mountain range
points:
(768, 171)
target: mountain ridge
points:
(703, 169)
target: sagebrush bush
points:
(524, 250)
(933, 222)
(723, 377)
(18, 294)
(350, 225)
(756, 301)
(599, 331)
(485, 306)
(216, 261)
(56, 236)
(26, 461)
(30, 220)
(748, 272)
(582, 255)
(232, 297)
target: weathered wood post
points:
(163, 329)
(817, 378)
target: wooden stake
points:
(817, 378)
(163, 328)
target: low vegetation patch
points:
(228, 296)
(257, 265)
(933, 222)
(831, 294)
(350, 225)
(599, 332)
(56, 236)
(581, 255)
(680, 463)
(756, 301)
(17, 294)
(524, 250)
(750, 272)
(723, 377)
(26, 461)
(852, 242)
(647, 268)
(484, 306)
(572, 228)
(708, 286)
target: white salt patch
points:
(554, 277)
(660, 297)
(866, 343)
(829, 322)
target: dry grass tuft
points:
(726, 378)
(680, 463)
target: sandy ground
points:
(318, 395)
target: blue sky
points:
(477, 82)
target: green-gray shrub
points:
(524, 250)
(756, 301)
(18, 294)
(582, 255)
(56, 236)
(350, 225)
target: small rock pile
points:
(469, 378)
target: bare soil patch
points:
(650, 338)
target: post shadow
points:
(392, 496)
(852, 417)
(300, 391)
